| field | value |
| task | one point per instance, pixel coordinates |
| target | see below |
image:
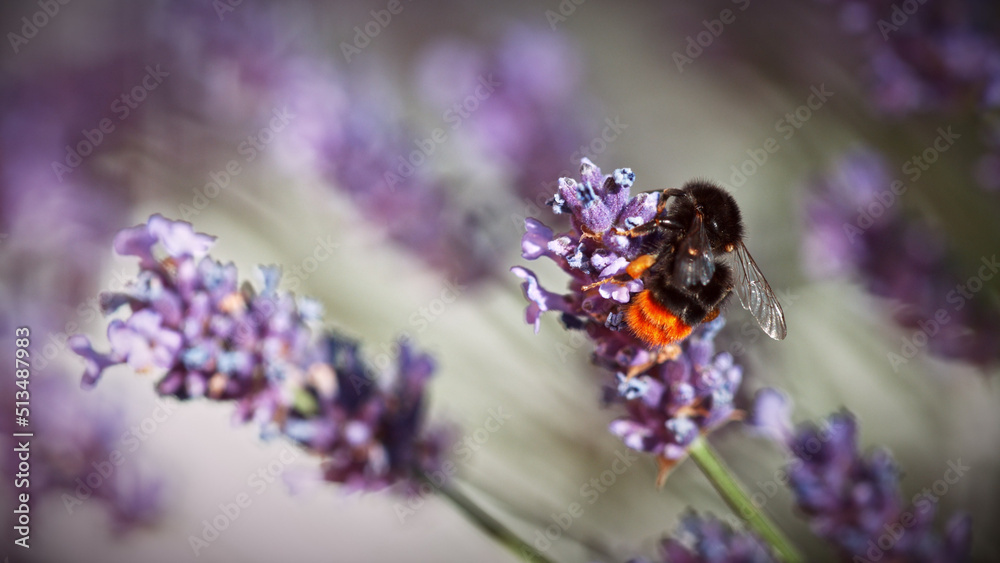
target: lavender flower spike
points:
(709, 540)
(670, 398)
(897, 257)
(854, 501)
(212, 338)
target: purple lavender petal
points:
(708, 540)
(541, 300)
(178, 237)
(96, 362)
(536, 240)
(136, 241)
(771, 414)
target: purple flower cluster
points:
(898, 258)
(679, 399)
(709, 540)
(930, 56)
(374, 161)
(216, 339)
(670, 398)
(854, 501)
(923, 57)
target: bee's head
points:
(721, 215)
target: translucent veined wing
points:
(694, 262)
(756, 295)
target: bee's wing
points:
(694, 262)
(756, 295)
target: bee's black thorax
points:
(720, 213)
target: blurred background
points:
(386, 154)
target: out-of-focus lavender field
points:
(385, 155)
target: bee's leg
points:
(668, 352)
(639, 266)
(663, 354)
(665, 195)
(587, 233)
(647, 228)
(634, 269)
(711, 315)
(620, 279)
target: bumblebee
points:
(693, 259)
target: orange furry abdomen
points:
(653, 323)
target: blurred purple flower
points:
(671, 396)
(942, 56)
(227, 68)
(369, 154)
(897, 257)
(854, 501)
(211, 338)
(709, 540)
(84, 442)
(84, 454)
(58, 199)
(532, 115)
(55, 204)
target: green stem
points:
(490, 525)
(725, 483)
